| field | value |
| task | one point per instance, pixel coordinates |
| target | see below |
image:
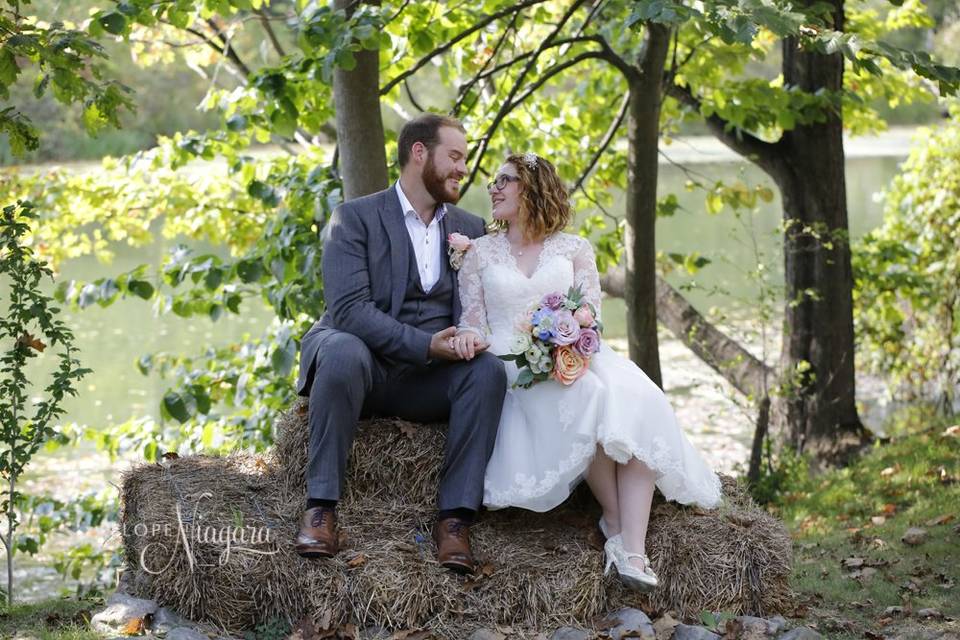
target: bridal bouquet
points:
(555, 339)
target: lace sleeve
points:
(473, 315)
(585, 274)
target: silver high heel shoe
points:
(640, 579)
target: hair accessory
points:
(530, 159)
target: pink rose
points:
(552, 301)
(588, 343)
(566, 330)
(458, 242)
(584, 316)
(568, 365)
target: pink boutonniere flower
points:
(457, 246)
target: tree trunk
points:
(818, 345)
(643, 129)
(360, 140)
(725, 355)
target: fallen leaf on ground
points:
(889, 471)
(133, 627)
(929, 613)
(357, 561)
(944, 519)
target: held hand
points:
(440, 347)
(468, 344)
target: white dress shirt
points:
(426, 239)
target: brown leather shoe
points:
(318, 533)
(452, 536)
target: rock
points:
(121, 609)
(751, 628)
(166, 619)
(629, 623)
(570, 633)
(801, 633)
(893, 611)
(929, 613)
(486, 634)
(186, 633)
(691, 632)
(779, 623)
(914, 536)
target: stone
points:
(570, 633)
(692, 632)
(779, 623)
(629, 623)
(801, 633)
(121, 609)
(486, 634)
(893, 611)
(929, 613)
(186, 633)
(914, 536)
(750, 628)
(165, 619)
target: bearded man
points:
(382, 348)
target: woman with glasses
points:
(612, 425)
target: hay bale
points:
(538, 571)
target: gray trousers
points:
(349, 382)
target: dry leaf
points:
(889, 471)
(412, 634)
(170, 455)
(852, 563)
(357, 561)
(889, 509)
(408, 429)
(348, 631)
(944, 519)
(486, 569)
(133, 627)
(29, 341)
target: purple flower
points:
(587, 343)
(566, 330)
(553, 301)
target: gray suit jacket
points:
(365, 269)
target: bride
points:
(613, 426)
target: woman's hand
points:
(468, 344)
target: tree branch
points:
(228, 49)
(509, 103)
(270, 33)
(764, 154)
(449, 44)
(604, 142)
(723, 354)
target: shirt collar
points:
(408, 209)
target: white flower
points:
(520, 343)
(457, 245)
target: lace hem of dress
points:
(706, 493)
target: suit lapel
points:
(391, 215)
(451, 224)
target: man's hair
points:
(425, 129)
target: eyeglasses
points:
(500, 182)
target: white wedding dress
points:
(549, 432)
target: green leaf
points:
(113, 22)
(141, 289)
(180, 406)
(283, 357)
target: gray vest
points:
(432, 311)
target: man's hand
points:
(441, 347)
(468, 344)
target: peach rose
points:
(584, 316)
(458, 241)
(568, 365)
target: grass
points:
(49, 620)
(850, 563)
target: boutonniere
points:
(457, 245)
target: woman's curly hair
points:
(544, 202)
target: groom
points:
(382, 346)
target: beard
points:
(436, 184)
